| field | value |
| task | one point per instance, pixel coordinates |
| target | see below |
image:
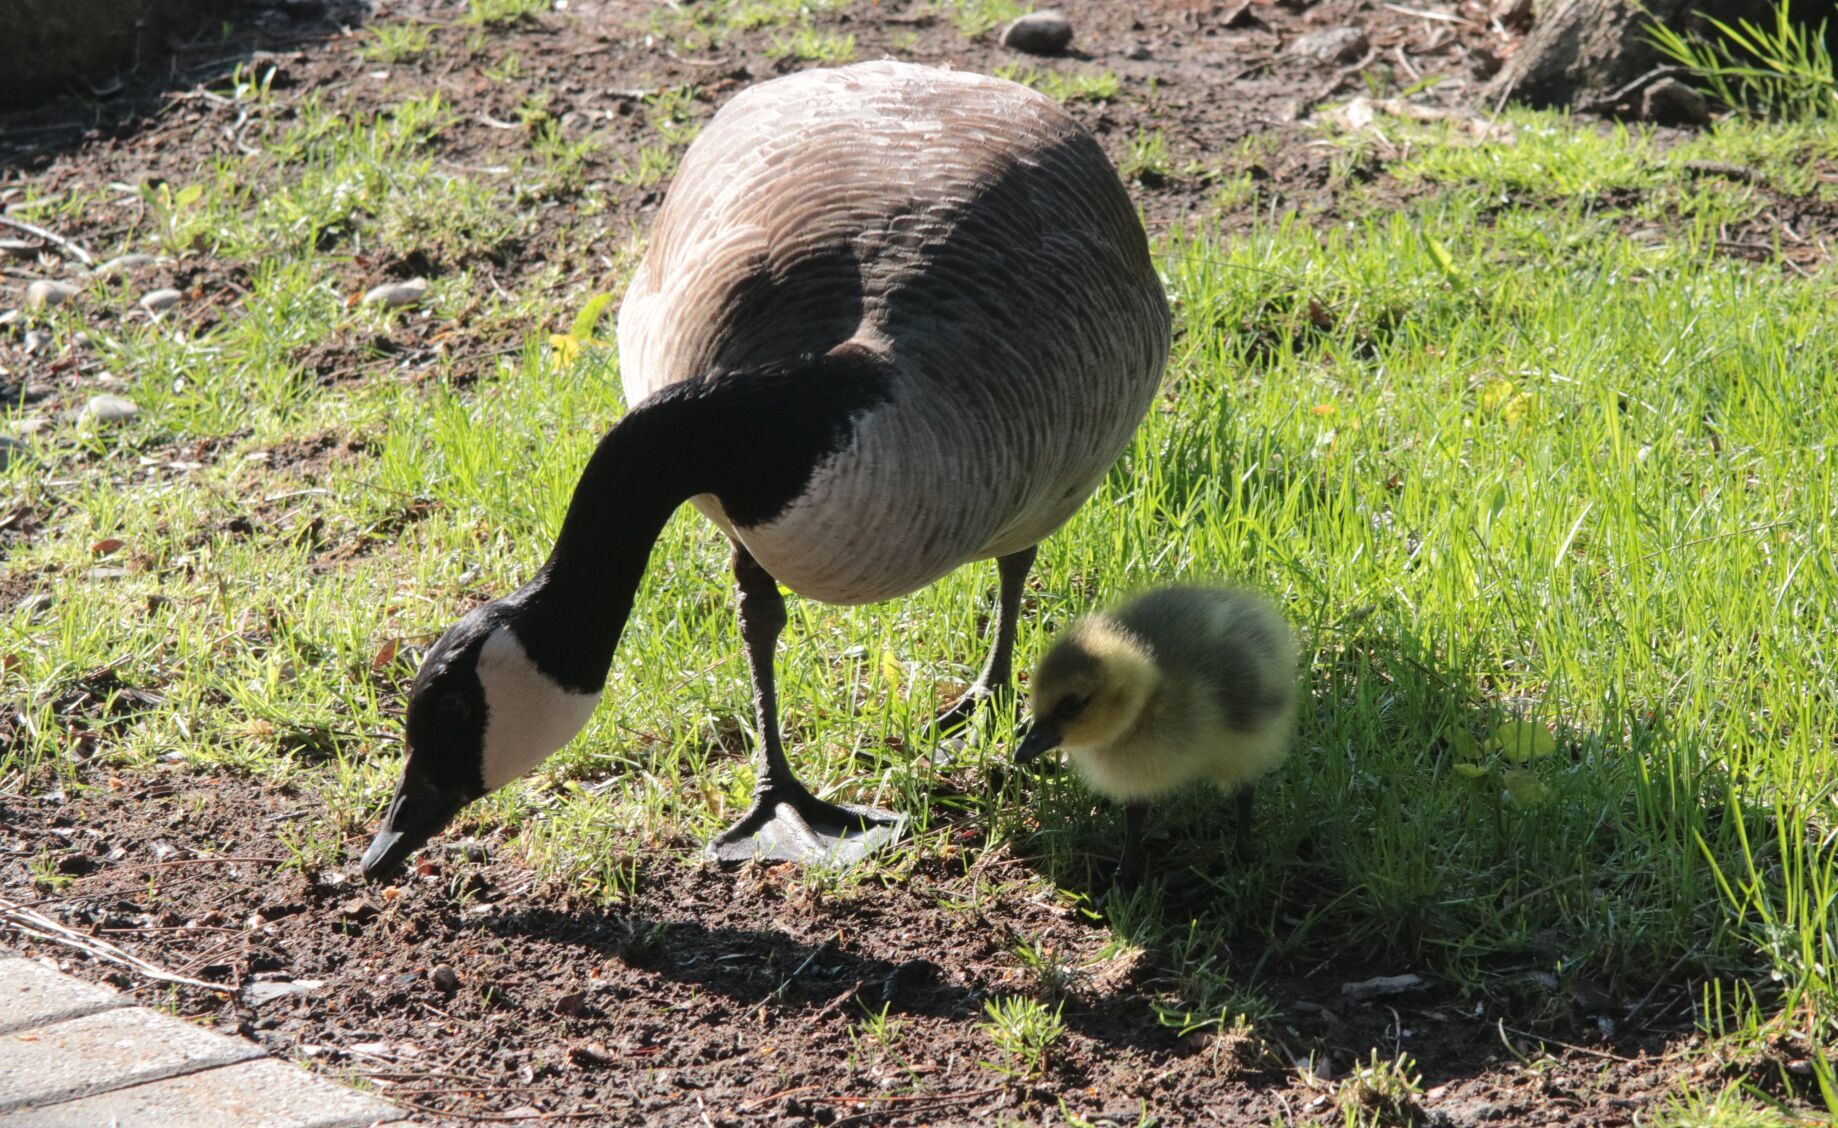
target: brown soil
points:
(710, 996)
(731, 994)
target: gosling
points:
(1176, 686)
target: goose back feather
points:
(962, 241)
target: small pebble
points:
(268, 990)
(1671, 102)
(36, 339)
(107, 409)
(76, 865)
(158, 301)
(589, 1053)
(10, 449)
(394, 294)
(33, 606)
(1335, 45)
(1044, 32)
(1137, 52)
(572, 1005)
(124, 264)
(466, 849)
(45, 294)
(18, 248)
(445, 978)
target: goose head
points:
(1091, 686)
(482, 713)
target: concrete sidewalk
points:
(73, 1055)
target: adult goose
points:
(891, 320)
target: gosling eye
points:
(1071, 706)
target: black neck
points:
(752, 439)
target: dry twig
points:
(48, 236)
(21, 919)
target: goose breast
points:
(961, 229)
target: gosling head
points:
(1090, 688)
(481, 713)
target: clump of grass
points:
(1147, 161)
(1024, 1030)
(1078, 86)
(1382, 1094)
(397, 42)
(979, 17)
(811, 46)
(1783, 69)
(500, 13)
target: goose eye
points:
(453, 707)
(1070, 707)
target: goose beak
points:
(1040, 739)
(419, 811)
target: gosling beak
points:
(420, 810)
(1042, 738)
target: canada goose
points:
(1176, 686)
(891, 320)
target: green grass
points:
(1506, 455)
(499, 13)
(1077, 86)
(397, 42)
(808, 46)
(980, 17)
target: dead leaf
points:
(105, 546)
(385, 655)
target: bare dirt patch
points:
(470, 990)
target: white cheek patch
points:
(528, 716)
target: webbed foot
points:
(790, 824)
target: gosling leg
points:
(1129, 866)
(1243, 847)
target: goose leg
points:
(1129, 866)
(996, 680)
(787, 822)
(1242, 846)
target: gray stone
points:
(1045, 32)
(18, 248)
(266, 1092)
(268, 990)
(35, 605)
(158, 301)
(36, 339)
(11, 450)
(394, 294)
(1671, 102)
(32, 994)
(1335, 45)
(1382, 986)
(46, 293)
(110, 1050)
(107, 409)
(124, 264)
